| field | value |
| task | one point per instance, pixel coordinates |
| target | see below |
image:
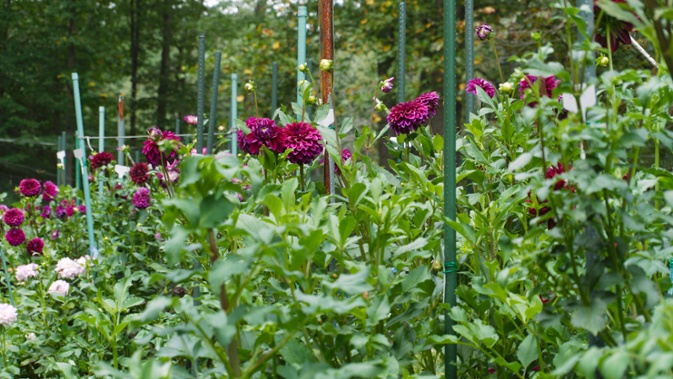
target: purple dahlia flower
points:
(13, 217)
(263, 132)
(35, 246)
(472, 85)
(46, 212)
(484, 31)
(50, 190)
(304, 140)
(30, 187)
(15, 236)
(550, 83)
(151, 146)
(430, 100)
(405, 118)
(141, 198)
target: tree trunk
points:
(164, 70)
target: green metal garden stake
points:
(93, 251)
(78, 177)
(177, 124)
(401, 50)
(450, 280)
(120, 130)
(59, 165)
(469, 54)
(200, 106)
(301, 50)
(7, 277)
(213, 103)
(101, 140)
(274, 88)
(232, 117)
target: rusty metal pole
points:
(326, 16)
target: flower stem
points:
(254, 94)
(301, 177)
(497, 61)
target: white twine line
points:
(643, 52)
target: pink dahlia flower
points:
(30, 187)
(15, 236)
(141, 198)
(35, 246)
(151, 146)
(13, 217)
(546, 89)
(50, 190)
(304, 140)
(405, 118)
(472, 85)
(430, 100)
(28, 271)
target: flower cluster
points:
(141, 198)
(151, 148)
(69, 269)
(26, 272)
(139, 173)
(8, 314)
(263, 132)
(304, 141)
(101, 159)
(68, 208)
(405, 118)
(30, 187)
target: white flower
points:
(67, 268)
(326, 64)
(26, 272)
(31, 336)
(83, 261)
(59, 287)
(8, 314)
(506, 87)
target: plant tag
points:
(121, 170)
(60, 155)
(587, 100)
(569, 103)
(328, 120)
(79, 153)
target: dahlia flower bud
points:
(311, 100)
(506, 87)
(603, 61)
(484, 31)
(303, 67)
(326, 64)
(250, 86)
(387, 85)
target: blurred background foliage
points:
(145, 50)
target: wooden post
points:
(326, 52)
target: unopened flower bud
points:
(326, 64)
(303, 67)
(603, 61)
(387, 85)
(484, 31)
(379, 105)
(506, 87)
(311, 100)
(302, 83)
(536, 36)
(220, 128)
(249, 86)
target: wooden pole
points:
(326, 52)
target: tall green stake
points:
(301, 50)
(59, 167)
(101, 140)
(93, 251)
(469, 54)
(274, 88)
(200, 100)
(120, 130)
(177, 124)
(233, 116)
(212, 120)
(450, 368)
(401, 50)
(78, 176)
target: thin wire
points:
(144, 136)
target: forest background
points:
(146, 50)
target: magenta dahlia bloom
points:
(15, 236)
(304, 140)
(141, 199)
(13, 217)
(430, 100)
(100, 159)
(617, 31)
(263, 132)
(472, 85)
(151, 146)
(345, 155)
(191, 119)
(54, 234)
(30, 187)
(46, 212)
(35, 246)
(550, 83)
(82, 209)
(50, 190)
(139, 173)
(405, 118)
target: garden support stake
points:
(301, 50)
(450, 368)
(401, 50)
(232, 118)
(120, 130)
(469, 54)
(213, 103)
(200, 100)
(101, 140)
(326, 76)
